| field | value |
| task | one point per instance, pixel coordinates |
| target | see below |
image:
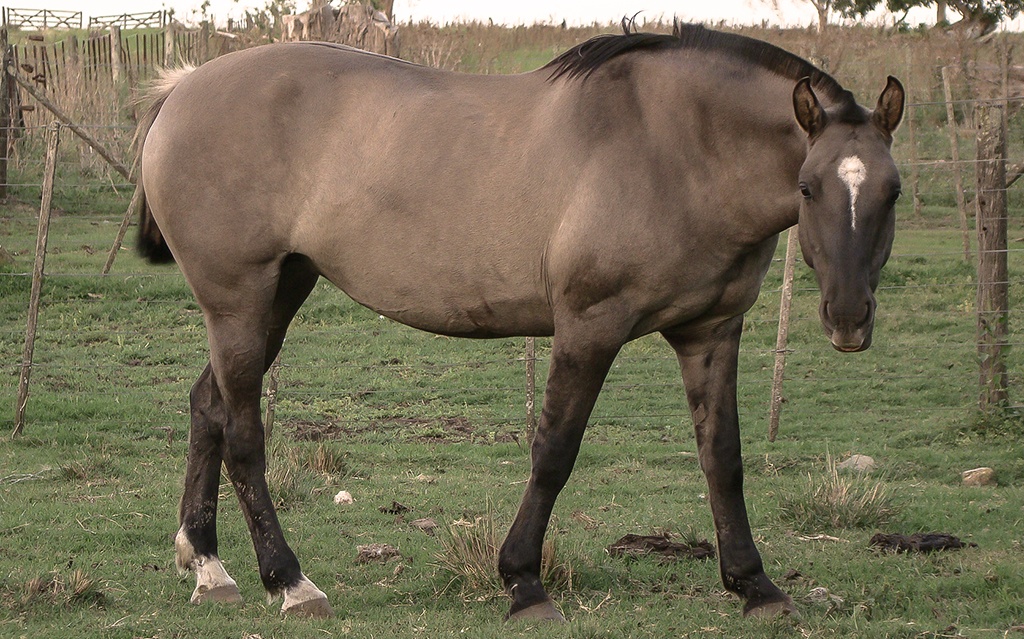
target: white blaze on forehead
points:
(853, 172)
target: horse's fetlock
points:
(184, 552)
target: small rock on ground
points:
(857, 463)
(983, 476)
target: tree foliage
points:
(978, 11)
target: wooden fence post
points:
(5, 111)
(116, 68)
(993, 273)
(915, 169)
(52, 142)
(203, 48)
(531, 388)
(170, 45)
(268, 421)
(782, 340)
(958, 178)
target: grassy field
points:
(88, 496)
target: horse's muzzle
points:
(848, 332)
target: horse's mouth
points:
(850, 340)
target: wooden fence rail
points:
(147, 20)
(41, 19)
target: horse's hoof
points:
(314, 608)
(772, 609)
(213, 582)
(227, 593)
(306, 600)
(544, 611)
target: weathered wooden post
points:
(170, 44)
(915, 169)
(5, 111)
(958, 179)
(993, 273)
(268, 420)
(782, 339)
(203, 49)
(52, 142)
(116, 68)
(531, 388)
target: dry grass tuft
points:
(838, 500)
(295, 471)
(57, 589)
(469, 555)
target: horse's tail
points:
(151, 244)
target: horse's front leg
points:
(578, 368)
(708, 366)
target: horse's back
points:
(425, 195)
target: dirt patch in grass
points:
(920, 542)
(662, 545)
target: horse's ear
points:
(889, 111)
(809, 113)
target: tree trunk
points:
(940, 12)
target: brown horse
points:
(636, 184)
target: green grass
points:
(88, 495)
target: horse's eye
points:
(805, 190)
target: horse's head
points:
(849, 185)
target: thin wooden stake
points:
(958, 178)
(52, 142)
(783, 337)
(268, 421)
(5, 111)
(531, 388)
(915, 170)
(125, 222)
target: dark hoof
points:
(771, 609)
(544, 611)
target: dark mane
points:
(584, 59)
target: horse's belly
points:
(448, 293)
(461, 316)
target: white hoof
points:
(213, 582)
(306, 600)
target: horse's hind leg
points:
(298, 277)
(196, 541)
(246, 328)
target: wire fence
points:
(121, 350)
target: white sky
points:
(789, 12)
